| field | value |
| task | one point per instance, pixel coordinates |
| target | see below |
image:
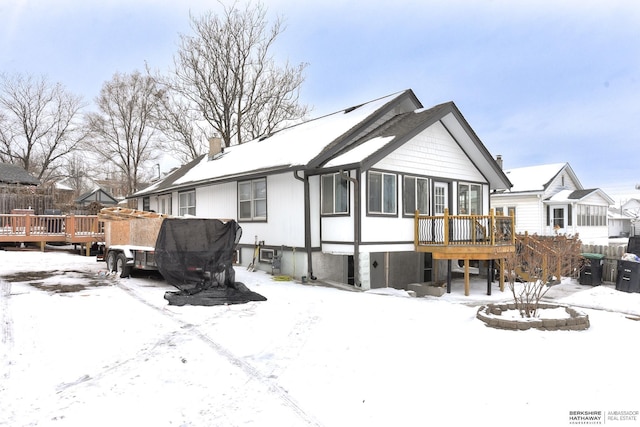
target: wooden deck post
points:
(501, 274)
(466, 277)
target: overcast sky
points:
(540, 81)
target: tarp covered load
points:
(196, 256)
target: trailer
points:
(129, 239)
(195, 255)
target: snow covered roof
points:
(63, 187)
(566, 196)
(291, 148)
(533, 178)
(356, 136)
(403, 127)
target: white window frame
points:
(257, 202)
(467, 208)
(416, 197)
(388, 197)
(440, 197)
(337, 181)
(187, 203)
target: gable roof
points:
(12, 174)
(538, 178)
(403, 127)
(97, 195)
(577, 195)
(354, 137)
(293, 148)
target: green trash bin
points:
(591, 271)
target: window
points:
(382, 193)
(335, 194)
(146, 204)
(252, 200)
(187, 203)
(416, 195)
(440, 198)
(558, 218)
(165, 204)
(592, 216)
(469, 199)
(499, 211)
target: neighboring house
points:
(549, 199)
(18, 190)
(12, 175)
(339, 193)
(620, 223)
(97, 195)
(631, 208)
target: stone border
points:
(490, 314)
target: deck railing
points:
(464, 230)
(50, 228)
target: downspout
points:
(307, 223)
(356, 225)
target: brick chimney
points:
(499, 160)
(215, 147)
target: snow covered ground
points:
(111, 352)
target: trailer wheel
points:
(111, 261)
(122, 267)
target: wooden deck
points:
(466, 237)
(71, 229)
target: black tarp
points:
(196, 256)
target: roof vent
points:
(350, 109)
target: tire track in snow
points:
(245, 367)
(6, 324)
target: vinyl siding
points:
(435, 153)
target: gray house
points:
(17, 190)
(12, 175)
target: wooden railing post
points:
(446, 226)
(492, 227)
(27, 225)
(71, 226)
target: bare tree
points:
(76, 173)
(181, 126)
(123, 130)
(226, 72)
(39, 123)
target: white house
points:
(548, 199)
(620, 223)
(336, 196)
(631, 209)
